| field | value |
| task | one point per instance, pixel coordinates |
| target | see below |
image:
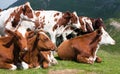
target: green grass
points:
(109, 54)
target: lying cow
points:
(88, 25)
(55, 21)
(10, 47)
(82, 48)
(37, 42)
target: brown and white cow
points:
(55, 22)
(82, 48)
(88, 25)
(10, 47)
(37, 43)
(12, 18)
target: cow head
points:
(40, 40)
(106, 38)
(18, 39)
(44, 41)
(28, 12)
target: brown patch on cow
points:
(37, 14)
(57, 14)
(73, 18)
(82, 24)
(27, 11)
(89, 29)
(99, 23)
(55, 19)
(63, 21)
(17, 17)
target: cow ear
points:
(29, 33)
(9, 32)
(99, 31)
(67, 15)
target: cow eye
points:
(45, 39)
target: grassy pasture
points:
(109, 54)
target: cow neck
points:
(9, 43)
(34, 45)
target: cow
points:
(81, 48)
(55, 22)
(11, 18)
(37, 43)
(88, 25)
(10, 47)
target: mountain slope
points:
(91, 8)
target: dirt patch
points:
(66, 71)
(70, 71)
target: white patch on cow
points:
(106, 39)
(44, 34)
(53, 60)
(91, 60)
(25, 65)
(65, 33)
(98, 46)
(89, 22)
(48, 17)
(78, 25)
(13, 67)
(84, 21)
(37, 67)
(49, 60)
(24, 26)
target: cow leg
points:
(7, 66)
(84, 59)
(45, 64)
(52, 59)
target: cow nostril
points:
(25, 49)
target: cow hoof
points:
(37, 67)
(13, 67)
(98, 60)
(25, 65)
(54, 62)
(19, 66)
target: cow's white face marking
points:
(106, 39)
